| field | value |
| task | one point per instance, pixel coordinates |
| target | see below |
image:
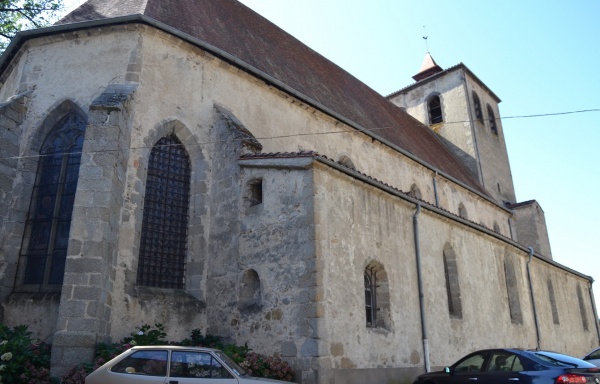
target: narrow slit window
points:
(492, 120)
(256, 192)
(477, 108)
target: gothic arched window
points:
(163, 241)
(492, 120)
(434, 107)
(477, 107)
(46, 238)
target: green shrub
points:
(22, 359)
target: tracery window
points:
(163, 241)
(46, 237)
(434, 107)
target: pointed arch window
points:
(46, 237)
(477, 107)
(512, 291)
(492, 120)
(452, 282)
(552, 300)
(434, 107)
(163, 241)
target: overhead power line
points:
(307, 134)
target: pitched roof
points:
(428, 68)
(237, 30)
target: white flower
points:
(6, 357)
(133, 342)
(140, 332)
(2, 367)
(4, 342)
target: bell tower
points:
(463, 111)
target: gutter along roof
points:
(239, 35)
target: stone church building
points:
(187, 162)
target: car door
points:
(469, 369)
(193, 367)
(504, 367)
(141, 367)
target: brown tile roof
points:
(244, 34)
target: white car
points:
(172, 364)
(593, 357)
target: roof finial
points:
(425, 38)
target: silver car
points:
(172, 365)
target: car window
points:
(505, 362)
(196, 364)
(593, 355)
(559, 360)
(153, 363)
(472, 363)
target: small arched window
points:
(477, 107)
(163, 241)
(377, 296)
(492, 120)
(346, 161)
(462, 211)
(46, 238)
(434, 107)
(250, 291)
(416, 192)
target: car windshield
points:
(231, 364)
(560, 360)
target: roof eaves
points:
(443, 73)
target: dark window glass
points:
(435, 110)
(197, 365)
(46, 239)
(165, 222)
(492, 119)
(370, 298)
(150, 363)
(477, 107)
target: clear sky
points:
(539, 57)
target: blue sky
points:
(539, 57)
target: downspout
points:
(535, 317)
(594, 309)
(435, 190)
(421, 294)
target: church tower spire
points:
(428, 68)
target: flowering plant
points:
(22, 359)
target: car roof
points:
(173, 348)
